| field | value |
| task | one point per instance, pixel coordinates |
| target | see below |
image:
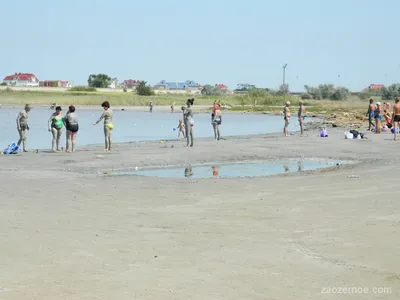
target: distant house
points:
(187, 86)
(131, 84)
(221, 86)
(22, 79)
(55, 83)
(373, 86)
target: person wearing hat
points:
(286, 117)
(56, 125)
(23, 127)
(378, 117)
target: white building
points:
(21, 79)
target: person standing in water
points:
(286, 117)
(189, 122)
(301, 117)
(56, 124)
(23, 127)
(396, 117)
(107, 115)
(216, 121)
(71, 124)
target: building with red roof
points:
(21, 79)
(221, 86)
(374, 86)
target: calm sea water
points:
(134, 126)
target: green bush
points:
(306, 96)
(82, 89)
(144, 90)
(3, 84)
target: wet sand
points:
(69, 232)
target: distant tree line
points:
(325, 91)
(320, 92)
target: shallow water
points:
(237, 170)
(135, 126)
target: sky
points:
(351, 43)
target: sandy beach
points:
(69, 231)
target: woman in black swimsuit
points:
(71, 124)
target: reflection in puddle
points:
(188, 172)
(237, 169)
(300, 166)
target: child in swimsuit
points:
(181, 128)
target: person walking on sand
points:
(71, 124)
(23, 127)
(107, 115)
(172, 107)
(55, 126)
(181, 128)
(189, 121)
(286, 117)
(396, 117)
(151, 107)
(378, 117)
(216, 121)
(301, 117)
(370, 114)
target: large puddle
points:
(237, 170)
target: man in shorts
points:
(370, 115)
(23, 127)
(396, 117)
(301, 116)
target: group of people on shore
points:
(57, 122)
(300, 116)
(392, 119)
(185, 126)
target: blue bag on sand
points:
(13, 148)
(323, 133)
(397, 130)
